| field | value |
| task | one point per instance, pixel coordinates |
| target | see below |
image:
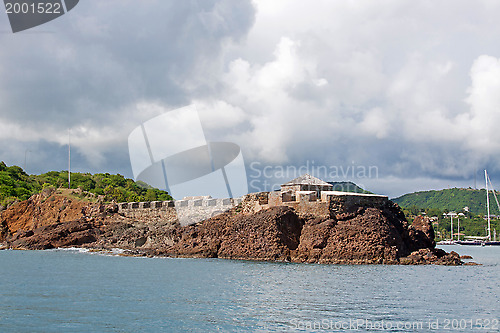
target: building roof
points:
(307, 179)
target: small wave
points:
(117, 250)
(74, 249)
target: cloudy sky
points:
(397, 96)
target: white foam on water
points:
(74, 249)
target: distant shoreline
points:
(354, 233)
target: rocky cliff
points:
(358, 235)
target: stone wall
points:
(154, 211)
(184, 211)
(306, 203)
(195, 209)
(346, 201)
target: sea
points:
(72, 290)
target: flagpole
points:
(488, 205)
(69, 158)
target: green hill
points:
(348, 187)
(435, 203)
(17, 185)
(454, 199)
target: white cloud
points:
(332, 84)
(375, 123)
(480, 125)
(411, 87)
(219, 115)
(267, 94)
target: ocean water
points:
(71, 291)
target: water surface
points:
(70, 291)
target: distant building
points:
(306, 182)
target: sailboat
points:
(450, 241)
(487, 239)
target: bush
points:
(15, 184)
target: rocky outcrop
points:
(432, 256)
(363, 236)
(271, 234)
(367, 237)
(61, 234)
(423, 232)
(352, 235)
(43, 209)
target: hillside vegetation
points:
(348, 187)
(454, 199)
(17, 185)
(435, 203)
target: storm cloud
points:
(410, 88)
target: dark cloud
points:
(89, 69)
(409, 88)
(103, 56)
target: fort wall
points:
(185, 212)
(305, 203)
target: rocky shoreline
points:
(357, 235)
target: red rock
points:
(358, 235)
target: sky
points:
(396, 96)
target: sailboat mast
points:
(488, 204)
(451, 229)
(69, 158)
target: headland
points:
(300, 223)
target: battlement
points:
(205, 202)
(307, 203)
(188, 211)
(195, 209)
